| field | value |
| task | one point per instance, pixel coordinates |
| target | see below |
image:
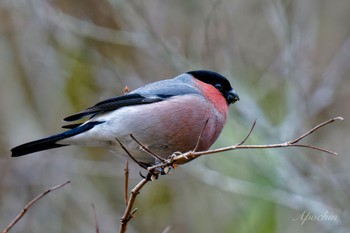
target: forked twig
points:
(30, 204)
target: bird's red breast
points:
(214, 96)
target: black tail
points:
(50, 142)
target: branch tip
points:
(249, 133)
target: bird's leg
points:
(151, 175)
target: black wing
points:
(117, 102)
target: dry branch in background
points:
(97, 229)
(182, 158)
(30, 204)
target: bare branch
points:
(30, 204)
(129, 213)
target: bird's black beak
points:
(232, 97)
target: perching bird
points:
(166, 116)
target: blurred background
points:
(288, 60)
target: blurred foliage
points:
(287, 59)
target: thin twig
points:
(95, 218)
(126, 184)
(128, 213)
(200, 135)
(130, 155)
(147, 150)
(316, 128)
(248, 135)
(30, 204)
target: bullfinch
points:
(173, 115)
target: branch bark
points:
(129, 213)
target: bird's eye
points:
(218, 86)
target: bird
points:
(172, 115)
